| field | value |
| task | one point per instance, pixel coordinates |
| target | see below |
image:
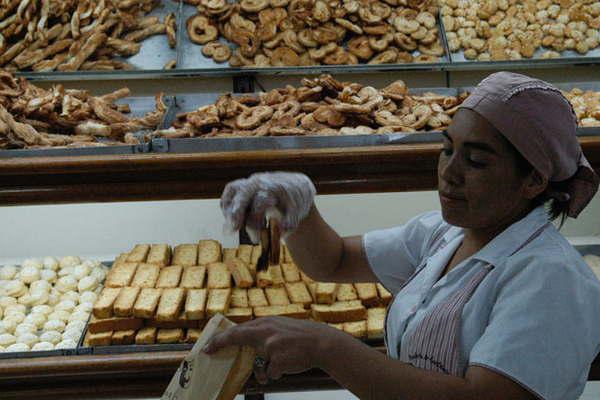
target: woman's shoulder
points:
(552, 260)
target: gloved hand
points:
(286, 196)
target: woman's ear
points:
(535, 184)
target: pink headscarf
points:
(540, 122)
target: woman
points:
(490, 302)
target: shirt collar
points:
(513, 238)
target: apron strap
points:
(434, 344)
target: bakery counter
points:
(131, 375)
(134, 375)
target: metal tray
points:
(191, 102)
(569, 56)
(139, 106)
(42, 353)
(190, 57)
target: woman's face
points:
(479, 186)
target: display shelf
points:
(592, 62)
(387, 168)
(133, 375)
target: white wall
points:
(105, 229)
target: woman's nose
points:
(451, 170)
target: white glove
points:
(286, 196)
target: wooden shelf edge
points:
(142, 177)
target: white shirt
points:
(534, 318)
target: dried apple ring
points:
(306, 39)
(349, 25)
(200, 30)
(405, 26)
(377, 30)
(253, 117)
(218, 51)
(320, 53)
(426, 19)
(267, 31)
(323, 35)
(387, 57)
(248, 42)
(321, 12)
(338, 57)
(328, 115)
(284, 57)
(254, 6)
(359, 46)
(380, 44)
(405, 42)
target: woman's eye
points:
(476, 164)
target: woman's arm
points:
(371, 375)
(292, 346)
(325, 256)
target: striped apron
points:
(434, 344)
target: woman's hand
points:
(245, 202)
(289, 346)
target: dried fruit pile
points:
(312, 32)
(32, 117)
(321, 106)
(69, 35)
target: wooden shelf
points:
(125, 375)
(133, 375)
(52, 180)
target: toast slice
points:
(170, 304)
(103, 307)
(264, 278)
(209, 251)
(146, 335)
(367, 293)
(346, 292)
(145, 275)
(193, 277)
(169, 277)
(342, 311)
(276, 275)
(123, 306)
(192, 335)
(159, 254)
(291, 273)
(96, 325)
(219, 276)
(218, 302)
(195, 304)
(146, 303)
(169, 336)
(244, 253)
(123, 337)
(257, 298)
(239, 314)
(185, 254)
(358, 329)
(240, 272)
(120, 275)
(375, 322)
(277, 296)
(298, 293)
(239, 297)
(229, 254)
(139, 253)
(326, 293)
(98, 339)
(384, 294)
(291, 310)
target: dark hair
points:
(554, 207)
